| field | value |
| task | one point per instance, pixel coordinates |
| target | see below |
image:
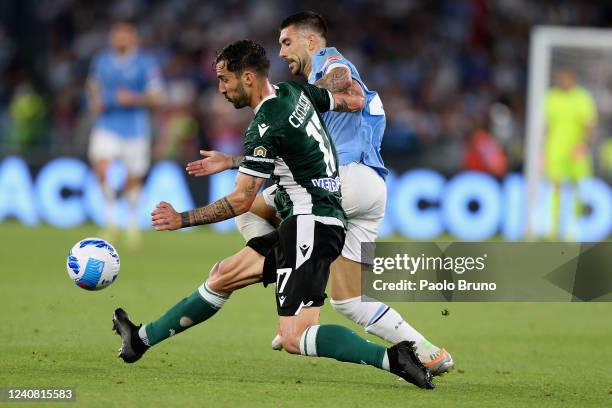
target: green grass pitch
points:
(54, 334)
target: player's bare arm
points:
(94, 98)
(165, 218)
(150, 99)
(337, 80)
(348, 102)
(213, 162)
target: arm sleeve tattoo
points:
(337, 80)
(218, 211)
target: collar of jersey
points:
(267, 98)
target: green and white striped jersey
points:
(287, 140)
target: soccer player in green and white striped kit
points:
(288, 142)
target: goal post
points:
(588, 52)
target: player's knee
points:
(353, 309)
(251, 225)
(218, 279)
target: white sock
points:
(109, 201)
(251, 225)
(133, 199)
(379, 319)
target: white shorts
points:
(364, 197)
(134, 152)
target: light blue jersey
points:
(136, 72)
(357, 135)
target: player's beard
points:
(298, 66)
(295, 67)
(242, 98)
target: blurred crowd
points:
(450, 73)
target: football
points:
(93, 264)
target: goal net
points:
(587, 53)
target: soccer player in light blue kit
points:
(357, 137)
(124, 85)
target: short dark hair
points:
(307, 19)
(244, 54)
(128, 21)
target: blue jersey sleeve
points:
(325, 60)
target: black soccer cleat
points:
(132, 347)
(404, 362)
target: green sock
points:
(195, 308)
(340, 343)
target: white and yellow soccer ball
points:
(93, 264)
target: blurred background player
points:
(124, 85)
(571, 116)
(357, 137)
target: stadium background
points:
(452, 76)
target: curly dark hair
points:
(244, 54)
(307, 19)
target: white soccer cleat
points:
(277, 343)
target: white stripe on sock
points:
(308, 341)
(142, 333)
(385, 362)
(216, 300)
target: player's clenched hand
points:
(165, 218)
(213, 162)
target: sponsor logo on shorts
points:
(330, 184)
(304, 249)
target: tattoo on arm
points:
(341, 106)
(236, 160)
(337, 80)
(252, 187)
(218, 211)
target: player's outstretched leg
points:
(380, 319)
(376, 317)
(301, 336)
(239, 270)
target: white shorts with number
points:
(134, 152)
(364, 197)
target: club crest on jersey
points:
(260, 151)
